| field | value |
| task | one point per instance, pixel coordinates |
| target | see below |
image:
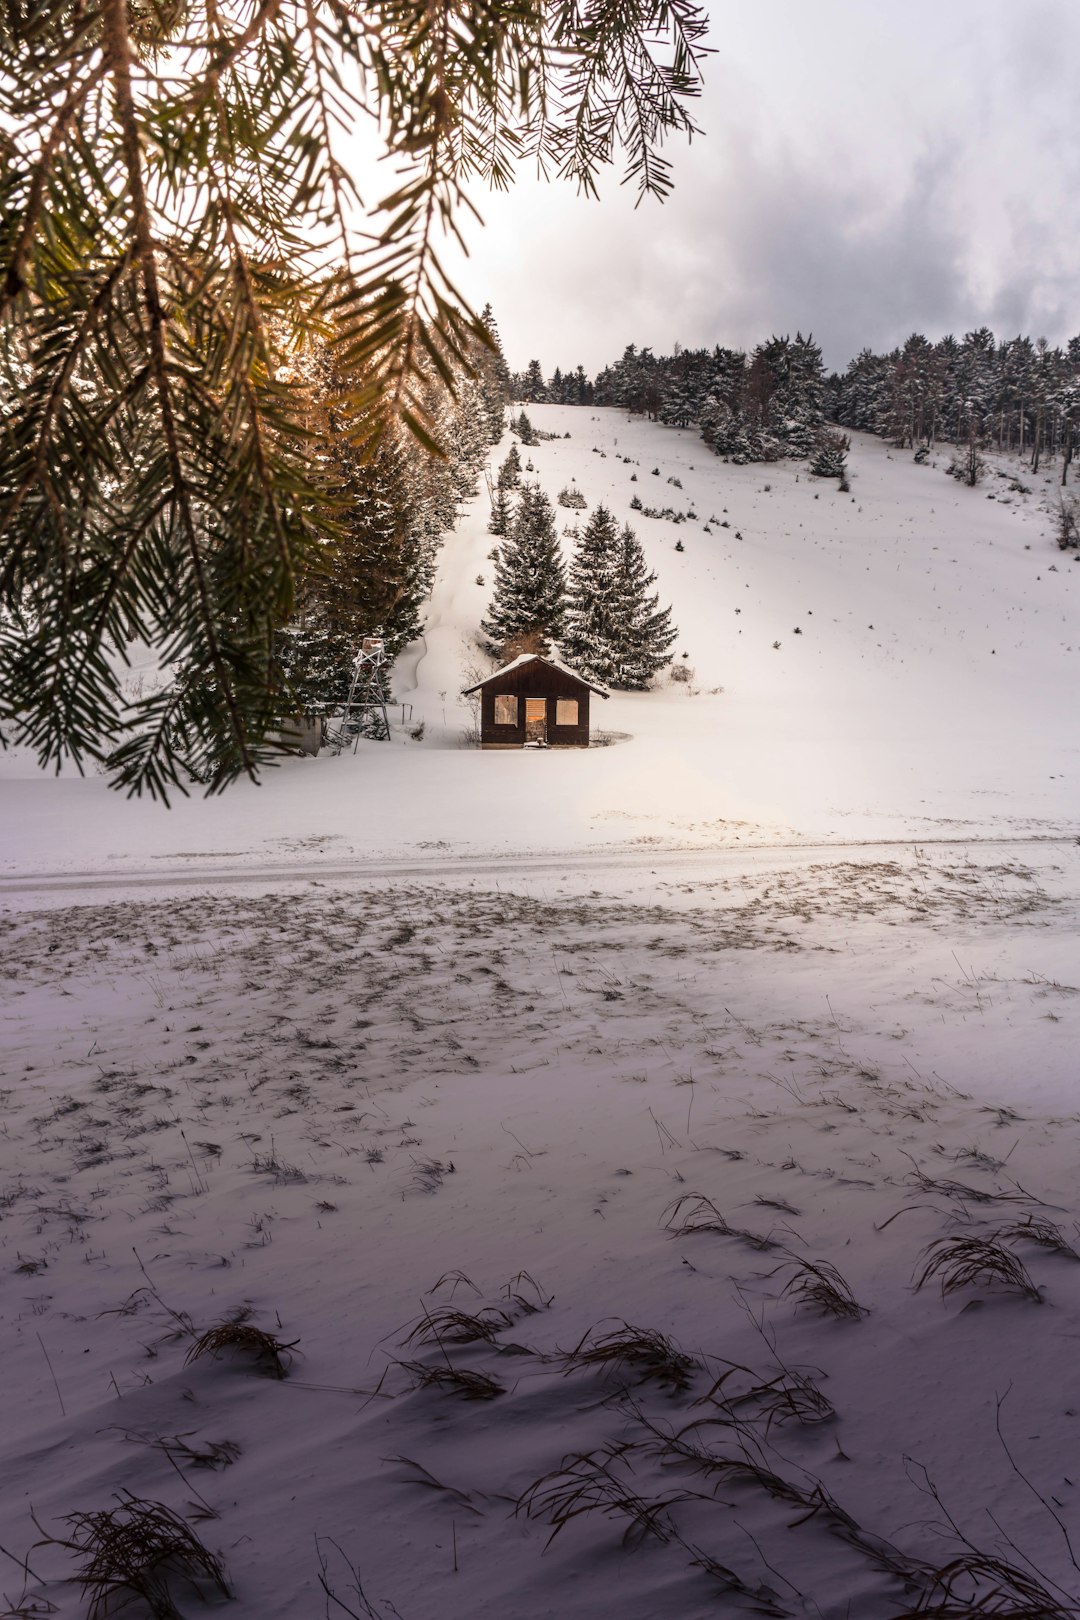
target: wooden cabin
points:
(534, 702)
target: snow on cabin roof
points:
(535, 658)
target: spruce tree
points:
(645, 631)
(509, 476)
(526, 611)
(494, 378)
(534, 390)
(501, 512)
(595, 625)
(372, 582)
(829, 459)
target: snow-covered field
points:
(516, 1093)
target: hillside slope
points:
(889, 664)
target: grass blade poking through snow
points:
(975, 1586)
(973, 1262)
(649, 1356)
(474, 1386)
(270, 1355)
(589, 1482)
(135, 1551)
(818, 1285)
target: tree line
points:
(1015, 394)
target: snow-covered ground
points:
(433, 1064)
(924, 694)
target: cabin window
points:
(566, 712)
(506, 709)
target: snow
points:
(532, 658)
(427, 1028)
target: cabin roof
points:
(535, 658)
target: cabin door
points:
(536, 720)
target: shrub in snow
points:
(968, 466)
(1068, 528)
(569, 496)
(829, 459)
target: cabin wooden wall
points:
(534, 680)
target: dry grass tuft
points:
(975, 1587)
(135, 1551)
(591, 1482)
(694, 1213)
(1037, 1229)
(648, 1355)
(445, 1325)
(269, 1354)
(790, 1397)
(473, 1386)
(973, 1262)
(817, 1284)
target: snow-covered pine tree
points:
(524, 428)
(493, 375)
(533, 383)
(509, 475)
(646, 633)
(595, 627)
(502, 513)
(374, 580)
(829, 459)
(466, 437)
(526, 611)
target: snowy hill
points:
(888, 664)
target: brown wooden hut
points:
(534, 702)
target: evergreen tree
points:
(829, 459)
(501, 512)
(595, 624)
(645, 631)
(533, 388)
(494, 379)
(509, 475)
(373, 580)
(526, 611)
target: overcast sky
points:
(866, 170)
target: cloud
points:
(864, 175)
